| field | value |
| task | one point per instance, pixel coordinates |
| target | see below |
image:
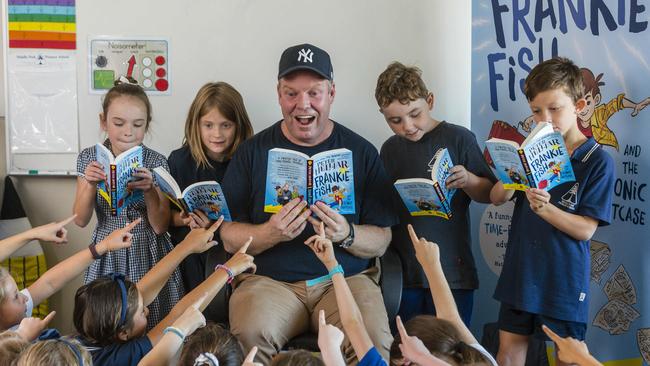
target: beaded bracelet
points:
(231, 275)
(176, 331)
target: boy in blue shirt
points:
(545, 275)
(406, 104)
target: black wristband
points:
(93, 251)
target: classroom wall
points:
(361, 36)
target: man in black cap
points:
(283, 298)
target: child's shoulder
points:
(453, 130)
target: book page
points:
(420, 198)
(507, 165)
(286, 178)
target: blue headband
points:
(119, 278)
(54, 335)
(74, 349)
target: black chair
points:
(390, 282)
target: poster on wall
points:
(142, 61)
(608, 40)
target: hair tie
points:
(206, 358)
(119, 278)
(126, 80)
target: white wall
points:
(240, 42)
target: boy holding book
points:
(406, 104)
(545, 275)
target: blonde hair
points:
(4, 274)
(229, 102)
(11, 345)
(54, 352)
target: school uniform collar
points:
(584, 151)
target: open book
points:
(205, 196)
(119, 172)
(429, 197)
(542, 160)
(326, 176)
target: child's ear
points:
(430, 100)
(102, 121)
(123, 335)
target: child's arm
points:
(30, 328)
(428, 254)
(170, 343)
(239, 263)
(54, 232)
(500, 195)
(330, 339)
(158, 211)
(571, 351)
(59, 275)
(414, 351)
(84, 201)
(577, 226)
(477, 188)
(348, 310)
(197, 241)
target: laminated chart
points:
(42, 24)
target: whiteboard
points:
(240, 42)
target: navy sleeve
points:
(237, 184)
(596, 200)
(377, 203)
(123, 354)
(474, 160)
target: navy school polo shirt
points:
(546, 271)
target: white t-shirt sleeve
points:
(484, 352)
(30, 303)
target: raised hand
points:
(322, 247)
(290, 221)
(54, 232)
(30, 328)
(192, 318)
(329, 336)
(94, 173)
(414, 351)
(250, 358)
(337, 227)
(199, 240)
(570, 350)
(425, 251)
(241, 261)
(118, 239)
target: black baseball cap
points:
(305, 57)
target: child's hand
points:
(337, 226)
(569, 350)
(241, 261)
(94, 173)
(538, 199)
(329, 336)
(425, 251)
(144, 180)
(322, 247)
(458, 177)
(30, 328)
(192, 318)
(198, 219)
(54, 232)
(250, 358)
(118, 239)
(414, 351)
(199, 240)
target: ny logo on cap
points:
(306, 56)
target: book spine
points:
(310, 182)
(443, 200)
(529, 173)
(113, 190)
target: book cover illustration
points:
(206, 196)
(327, 176)
(119, 172)
(542, 160)
(429, 197)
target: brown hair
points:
(298, 357)
(558, 72)
(591, 84)
(130, 90)
(11, 345)
(54, 352)
(97, 309)
(215, 339)
(402, 83)
(442, 339)
(230, 104)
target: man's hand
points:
(198, 219)
(337, 227)
(290, 221)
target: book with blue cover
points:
(429, 197)
(119, 172)
(327, 176)
(206, 196)
(542, 161)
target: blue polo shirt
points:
(546, 271)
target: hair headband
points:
(119, 278)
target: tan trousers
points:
(268, 313)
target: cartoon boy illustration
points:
(592, 121)
(556, 169)
(338, 196)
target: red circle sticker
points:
(160, 60)
(160, 72)
(162, 84)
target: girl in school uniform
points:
(217, 123)
(125, 117)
